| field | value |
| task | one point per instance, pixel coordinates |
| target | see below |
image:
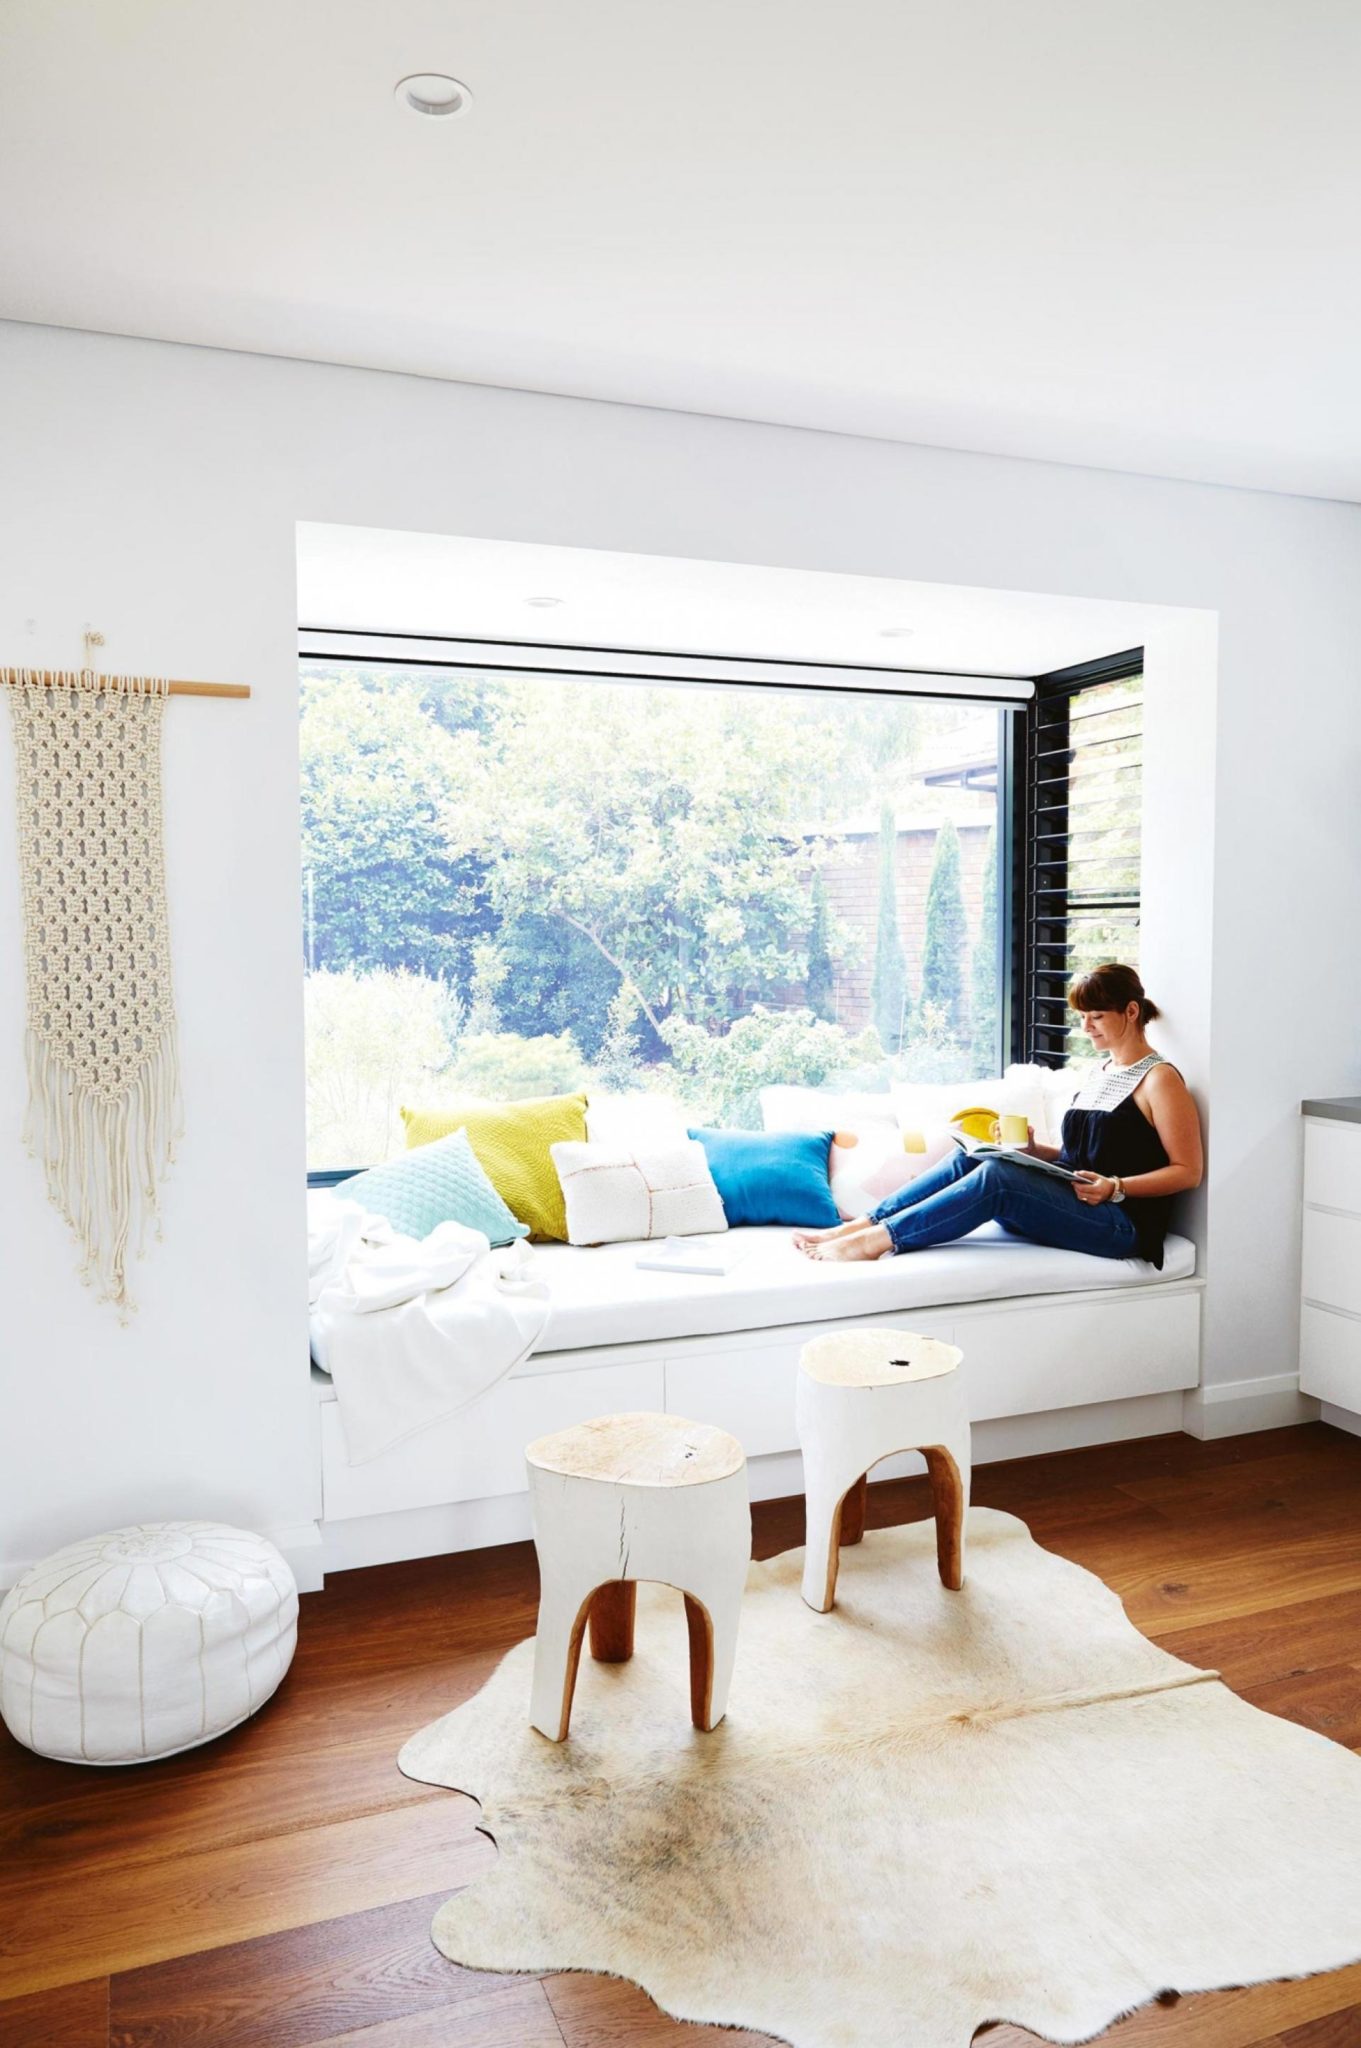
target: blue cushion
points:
(772, 1176)
(434, 1184)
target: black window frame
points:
(1036, 1028)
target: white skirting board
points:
(477, 1524)
(1238, 1407)
(1341, 1418)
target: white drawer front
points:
(747, 1387)
(1332, 1165)
(1330, 1358)
(1332, 1260)
(480, 1451)
(1016, 1362)
(1027, 1362)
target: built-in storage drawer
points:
(1331, 1263)
(480, 1452)
(1332, 1165)
(1330, 1357)
(1019, 1359)
(746, 1383)
(1067, 1353)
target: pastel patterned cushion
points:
(433, 1184)
(614, 1194)
(511, 1139)
(145, 1641)
(869, 1164)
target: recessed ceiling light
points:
(431, 92)
(896, 632)
(543, 602)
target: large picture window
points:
(518, 884)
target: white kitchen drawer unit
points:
(1332, 1166)
(1330, 1357)
(1330, 1261)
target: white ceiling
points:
(369, 580)
(1112, 234)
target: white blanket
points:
(412, 1331)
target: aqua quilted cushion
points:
(439, 1183)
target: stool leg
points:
(712, 1615)
(563, 1611)
(614, 1607)
(852, 1529)
(701, 1632)
(950, 1496)
(826, 1502)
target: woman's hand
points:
(1093, 1188)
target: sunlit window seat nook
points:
(1063, 1349)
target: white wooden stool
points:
(631, 1497)
(863, 1395)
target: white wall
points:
(153, 490)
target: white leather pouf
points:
(145, 1641)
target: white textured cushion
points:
(602, 1297)
(614, 1193)
(145, 1641)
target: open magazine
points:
(983, 1148)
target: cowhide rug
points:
(925, 1810)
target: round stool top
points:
(640, 1450)
(877, 1358)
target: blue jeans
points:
(956, 1196)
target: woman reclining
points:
(1132, 1137)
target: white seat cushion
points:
(599, 1295)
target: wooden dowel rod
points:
(61, 679)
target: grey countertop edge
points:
(1342, 1109)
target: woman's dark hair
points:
(1112, 987)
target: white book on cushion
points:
(690, 1255)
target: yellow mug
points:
(1015, 1131)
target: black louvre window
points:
(1079, 773)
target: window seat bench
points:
(1060, 1348)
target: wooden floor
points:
(275, 1889)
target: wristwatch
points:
(1119, 1194)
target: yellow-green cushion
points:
(511, 1140)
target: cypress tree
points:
(819, 985)
(983, 992)
(946, 935)
(888, 990)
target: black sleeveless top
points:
(1122, 1141)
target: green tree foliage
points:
(723, 1076)
(655, 829)
(500, 1066)
(983, 1014)
(888, 989)
(555, 980)
(820, 981)
(385, 890)
(374, 1041)
(946, 941)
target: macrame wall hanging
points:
(103, 1066)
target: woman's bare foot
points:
(803, 1238)
(867, 1241)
